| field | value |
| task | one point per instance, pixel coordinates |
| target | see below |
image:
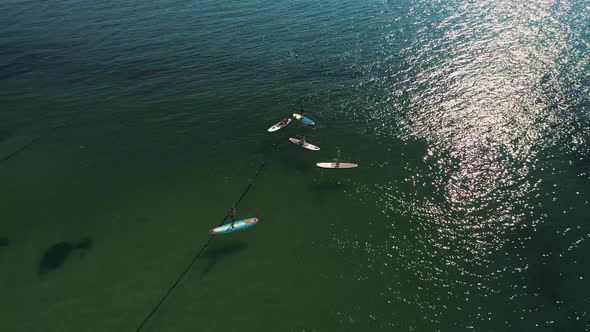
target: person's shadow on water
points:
(56, 255)
(214, 255)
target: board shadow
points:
(214, 255)
(324, 190)
(56, 255)
(328, 187)
(295, 160)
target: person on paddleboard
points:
(232, 215)
(301, 110)
(337, 156)
(302, 141)
(284, 122)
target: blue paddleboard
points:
(238, 226)
(303, 119)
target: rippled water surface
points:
(128, 128)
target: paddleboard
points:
(303, 119)
(305, 145)
(333, 165)
(238, 226)
(278, 126)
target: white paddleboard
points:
(305, 145)
(278, 126)
(333, 165)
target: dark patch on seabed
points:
(214, 255)
(4, 134)
(56, 255)
(3, 242)
(17, 59)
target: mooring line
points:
(30, 143)
(179, 278)
(15, 152)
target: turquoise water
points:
(127, 129)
